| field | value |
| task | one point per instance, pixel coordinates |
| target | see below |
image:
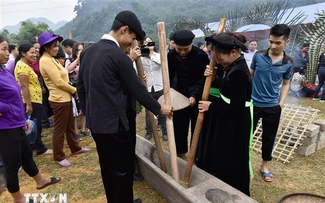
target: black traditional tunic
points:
(186, 76)
(224, 144)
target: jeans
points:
(321, 79)
(37, 114)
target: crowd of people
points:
(23, 81)
(98, 84)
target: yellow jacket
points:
(56, 79)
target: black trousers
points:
(116, 158)
(15, 151)
(46, 108)
(270, 123)
(181, 120)
(37, 114)
(161, 118)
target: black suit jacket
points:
(105, 71)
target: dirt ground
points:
(82, 182)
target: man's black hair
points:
(33, 41)
(171, 36)
(199, 44)
(12, 47)
(305, 45)
(68, 43)
(280, 30)
(116, 25)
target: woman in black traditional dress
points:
(225, 137)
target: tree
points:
(314, 34)
(29, 31)
(8, 36)
(5, 33)
(266, 13)
(191, 24)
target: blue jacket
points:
(299, 61)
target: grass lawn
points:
(82, 182)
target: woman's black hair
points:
(75, 49)
(50, 44)
(60, 54)
(302, 71)
(23, 48)
(2, 39)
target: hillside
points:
(52, 26)
(94, 17)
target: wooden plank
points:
(201, 187)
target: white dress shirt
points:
(153, 70)
(249, 57)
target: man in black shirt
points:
(105, 72)
(186, 65)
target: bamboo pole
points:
(151, 116)
(200, 117)
(169, 121)
(70, 34)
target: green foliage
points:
(314, 35)
(27, 32)
(5, 33)
(94, 17)
(266, 13)
(90, 23)
(191, 24)
(139, 107)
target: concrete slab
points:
(320, 123)
(321, 136)
(320, 145)
(306, 150)
(309, 140)
(311, 130)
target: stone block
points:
(321, 124)
(311, 130)
(321, 136)
(320, 145)
(309, 140)
(306, 150)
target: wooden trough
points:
(203, 187)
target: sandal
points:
(64, 163)
(83, 150)
(53, 181)
(267, 176)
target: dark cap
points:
(226, 41)
(183, 37)
(130, 19)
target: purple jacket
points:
(11, 66)
(11, 103)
